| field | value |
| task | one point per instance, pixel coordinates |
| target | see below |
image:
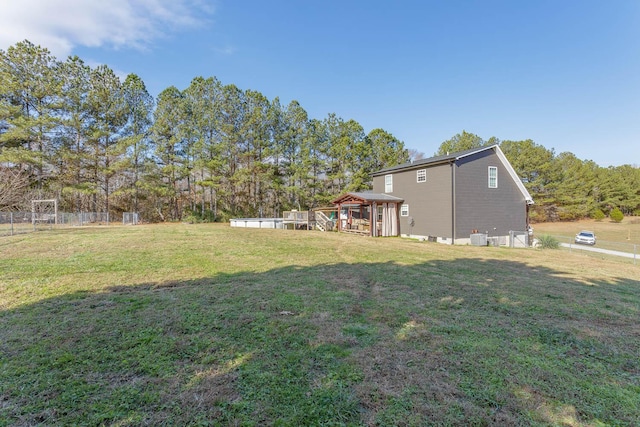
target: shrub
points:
(197, 216)
(598, 215)
(548, 242)
(616, 215)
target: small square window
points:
(493, 177)
(404, 210)
(421, 175)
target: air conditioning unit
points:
(479, 239)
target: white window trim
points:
(421, 173)
(404, 210)
(388, 183)
(494, 168)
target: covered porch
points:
(369, 214)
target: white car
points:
(586, 238)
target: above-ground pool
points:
(257, 222)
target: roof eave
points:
(514, 175)
(409, 166)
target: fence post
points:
(11, 221)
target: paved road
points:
(602, 251)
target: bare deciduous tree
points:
(14, 186)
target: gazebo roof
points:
(365, 198)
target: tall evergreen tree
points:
(136, 134)
(108, 112)
(232, 139)
(169, 116)
(255, 153)
(29, 102)
(318, 147)
(337, 146)
(574, 187)
(463, 141)
(387, 150)
(296, 156)
(358, 155)
(75, 130)
(535, 167)
(619, 187)
(204, 97)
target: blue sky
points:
(565, 74)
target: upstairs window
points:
(421, 175)
(493, 177)
(388, 183)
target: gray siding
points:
(429, 202)
(378, 184)
(478, 207)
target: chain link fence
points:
(26, 222)
(130, 218)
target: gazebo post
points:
(374, 224)
(371, 224)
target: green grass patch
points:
(208, 325)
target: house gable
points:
(493, 206)
(505, 163)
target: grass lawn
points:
(209, 325)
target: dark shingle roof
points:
(378, 197)
(433, 160)
(368, 196)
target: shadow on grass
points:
(457, 342)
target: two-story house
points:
(448, 198)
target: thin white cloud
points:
(63, 24)
(224, 50)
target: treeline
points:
(562, 186)
(214, 151)
(210, 151)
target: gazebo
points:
(366, 213)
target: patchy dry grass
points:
(207, 325)
(627, 231)
(616, 235)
